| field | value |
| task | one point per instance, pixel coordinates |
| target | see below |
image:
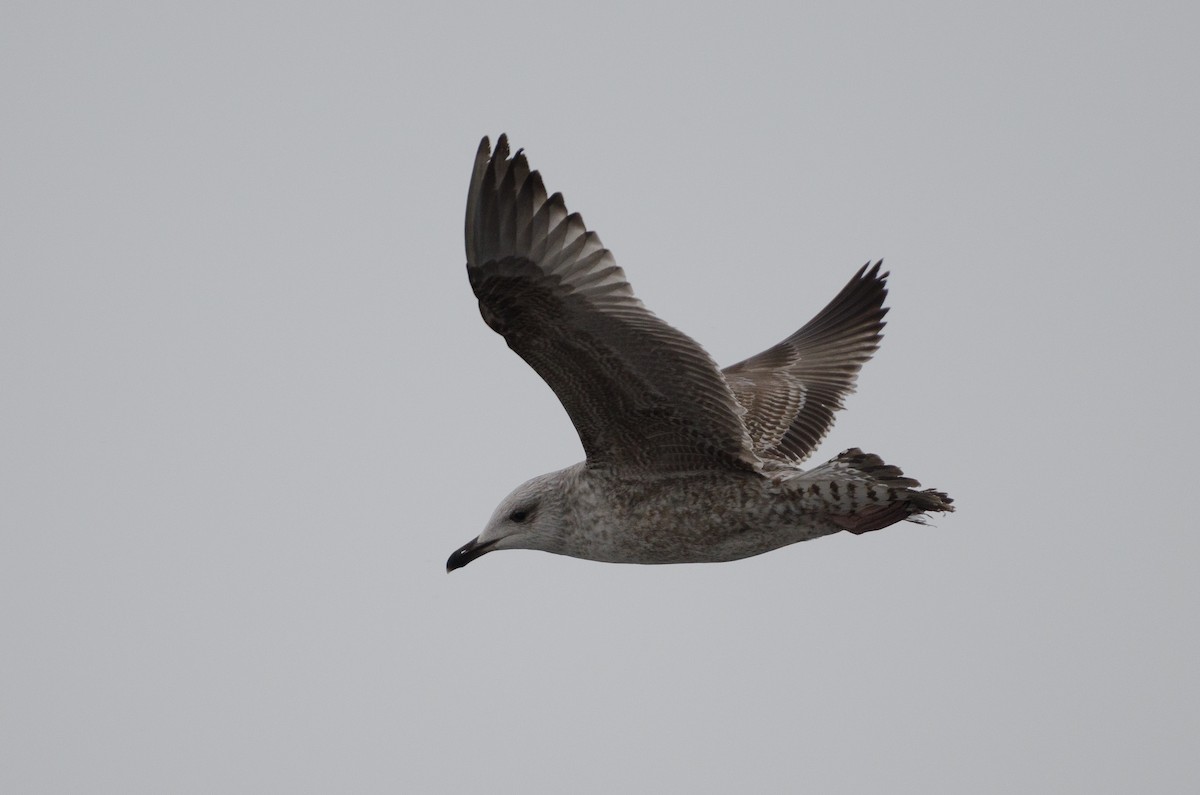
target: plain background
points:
(249, 407)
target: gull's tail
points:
(858, 492)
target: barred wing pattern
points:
(791, 391)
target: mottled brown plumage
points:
(684, 462)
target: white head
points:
(531, 517)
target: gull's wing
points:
(642, 395)
(791, 391)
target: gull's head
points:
(531, 517)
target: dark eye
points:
(517, 516)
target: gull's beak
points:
(468, 552)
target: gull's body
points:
(685, 462)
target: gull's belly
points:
(690, 519)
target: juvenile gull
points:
(685, 463)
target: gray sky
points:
(249, 406)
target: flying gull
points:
(685, 462)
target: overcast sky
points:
(249, 407)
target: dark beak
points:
(467, 553)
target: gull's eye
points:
(517, 516)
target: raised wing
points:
(791, 391)
(642, 395)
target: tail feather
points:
(860, 493)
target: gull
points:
(685, 462)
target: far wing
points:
(791, 391)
